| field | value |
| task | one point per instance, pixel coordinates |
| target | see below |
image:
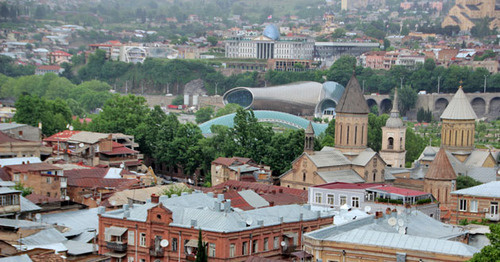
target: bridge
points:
(484, 104)
(267, 116)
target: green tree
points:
(341, 70)
(178, 100)
(466, 182)
(204, 114)
(24, 190)
(414, 145)
(375, 124)
(227, 109)
(201, 255)
(407, 99)
(212, 40)
(121, 114)
(491, 252)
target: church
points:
(350, 161)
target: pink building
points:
(374, 59)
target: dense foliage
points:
(491, 252)
(466, 181)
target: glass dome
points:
(271, 31)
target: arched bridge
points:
(268, 117)
(484, 104)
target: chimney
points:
(101, 210)
(125, 207)
(216, 206)
(301, 217)
(227, 205)
(260, 223)
(220, 197)
(318, 214)
(379, 214)
(130, 202)
(274, 191)
(281, 220)
(210, 194)
(126, 213)
(155, 198)
(388, 211)
(280, 190)
(194, 223)
(271, 203)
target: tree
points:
(407, 99)
(201, 255)
(375, 124)
(212, 40)
(341, 70)
(176, 189)
(178, 100)
(414, 145)
(24, 190)
(204, 114)
(491, 252)
(466, 182)
(227, 109)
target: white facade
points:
(265, 48)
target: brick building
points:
(45, 179)
(13, 147)
(239, 169)
(136, 233)
(476, 203)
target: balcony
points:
(289, 250)
(190, 257)
(492, 217)
(116, 246)
(156, 252)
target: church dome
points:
(429, 152)
(394, 122)
(272, 32)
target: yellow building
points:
(465, 12)
(394, 138)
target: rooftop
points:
(33, 167)
(491, 189)
(352, 100)
(459, 108)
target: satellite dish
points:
(164, 243)
(392, 221)
(283, 243)
(81, 145)
(249, 221)
(190, 250)
(122, 165)
(402, 230)
(66, 198)
(38, 216)
(70, 128)
(401, 222)
(368, 209)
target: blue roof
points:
(271, 31)
(265, 116)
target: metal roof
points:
(253, 198)
(5, 190)
(326, 158)
(20, 258)
(76, 248)
(459, 108)
(345, 176)
(477, 158)
(266, 116)
(483, 174)
(491, 189)
(364, 157)
(45, 236)
(399, 241)
(352, 100)
(87, 137)
(205, 210)
(420, 229)
(28, 206)
(25, 224)
(7, 126)
(19, 160)
(77, 221)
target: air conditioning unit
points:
(485, 210)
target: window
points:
(255, 246)
(473, 206)
(317, 198)
(25, 177)
(131, 238)
(355, 201)
(330, 199)
(343, 200)
(16, 178)
(174, 244)
(244, 248)
(276, 243)
(232, 250)
(266, 244)
(463, 205)
(304, 176)
(142, 240)
(49, 180)
(130, 259)
(494, 208)
(211, 250)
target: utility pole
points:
(402, 81)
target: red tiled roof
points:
(440, 168)
(61, 136)
(33, 167)
(49, 67)
(4, 138)
(341, 185)
(260, 188)
(40, 199)
(237, 201)
(279, 199)
(400, 191)
(225, 161)
(3, 175)
(75, 174)
(60, 53)
(117, 183)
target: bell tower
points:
(394, 137)
(309, 139)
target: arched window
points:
(362, 134)
(449, 137)
(304, 176)
(374, 175)
(401, 143)
(340, 137)
(390, 143)
(356, 134)
(347, 135)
